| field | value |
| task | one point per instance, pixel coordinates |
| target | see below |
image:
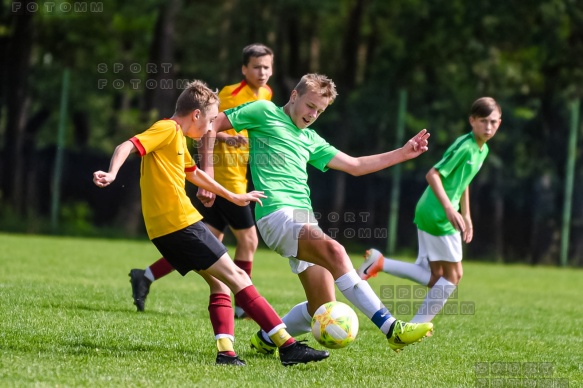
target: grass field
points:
(67, 319)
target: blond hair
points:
(319, 84)
(196, 95)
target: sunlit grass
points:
(67, 319)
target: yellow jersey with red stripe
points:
(165, 161)
(231, 162)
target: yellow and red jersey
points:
(231, 162)
(165, 160)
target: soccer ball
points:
(335, 325)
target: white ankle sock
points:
(298, 320)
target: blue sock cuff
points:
(380, 317)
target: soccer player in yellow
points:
(230, 170)
(175, 227)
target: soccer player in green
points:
(281, 147)
(175, 227)
(441, 227)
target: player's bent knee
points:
(239, 280)
(336, 256)
(334, 248)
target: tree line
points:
(127, 60)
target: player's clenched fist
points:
(102, 179)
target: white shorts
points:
(280, 231)
(438, 248)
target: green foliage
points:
(67, 319)
(10, 220)
(445, 54)
(76, 220)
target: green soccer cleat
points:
(260, 345)
(406, 333)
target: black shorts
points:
(224, 213)
(192, 248)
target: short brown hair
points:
(255, 50)
(317, 83)
(196, 95)
(484, 106)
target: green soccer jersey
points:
(278, 155)
(459, 165)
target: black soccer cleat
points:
(223, 359)
(140, 287)
(300, 353)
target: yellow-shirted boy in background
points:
(230, 170)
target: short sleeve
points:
(321, 152)
(452, 158)
(246, 116)
(159, 135)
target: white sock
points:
(405, 270)
(239, 312)
(359, 293)
(297, 321)
(434, 301)
(265, 337)
(149, 275)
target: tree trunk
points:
(19, 50)
(31, 192)
(225, 28)
(346, 83)
(157, 98)
(498, 200)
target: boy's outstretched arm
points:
(367, 164)
(202, 180)
(121, 153)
